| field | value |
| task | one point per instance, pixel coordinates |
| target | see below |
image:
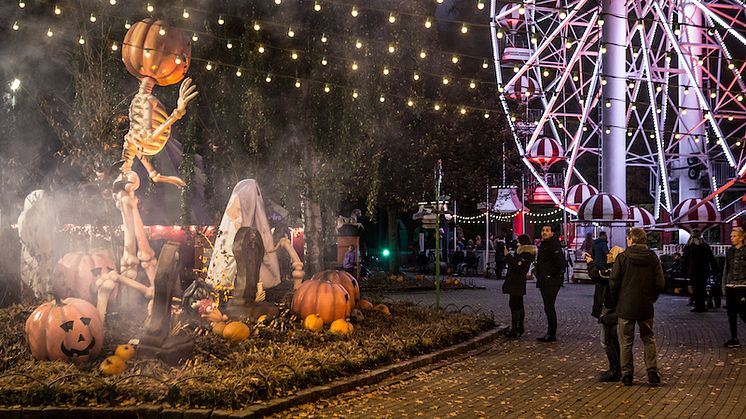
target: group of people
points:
(627, 284)
(466, 258)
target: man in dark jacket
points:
(636, 279)
(600, 250)
(734, 284)
(550, 269)
(697, 263)
(605, 311)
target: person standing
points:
(515, 282)
(600, 250)
(604, 310)
(500, 251)
(734, 284)
(636, 279)
(550, 269)
(348, 263)
(697, 262)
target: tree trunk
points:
(393, 239)
(312, 222)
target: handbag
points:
(608, 316)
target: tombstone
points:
(248, 251)
(157, 342)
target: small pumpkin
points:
(236, 331)
(68, 330)
(330, 301)
(365, 305)
(344, 279)
(112, 365)
(164, 58)
(313, 322)
(218, 328)
(126, 352)
(341, 326)
(383, 308)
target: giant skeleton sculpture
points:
(155, 54)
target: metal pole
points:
(438, 175)
(487, 231)
(455, 227)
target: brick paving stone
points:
(526, 378)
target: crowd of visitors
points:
(627, 284)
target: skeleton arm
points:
(157, 177)
(187, 93)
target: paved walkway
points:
(526, 378)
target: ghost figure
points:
(37, 230)
(245, 209)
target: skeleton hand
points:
(187, 92)
(174, 180)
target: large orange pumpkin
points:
(330, 301)
(76, 273)
(156, 50)
(344, 279)
(68, 330)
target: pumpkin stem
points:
(57, 300)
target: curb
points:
(258, 410)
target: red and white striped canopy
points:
(703, 217)
(604, 208)
(524, 88)
(577, 194)
(510, 21)
(545, 152)
(641, 216)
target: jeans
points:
(549, 296)
(699, 286)
(610, 343)
(517, 312)
(736, 308)
(627, 337)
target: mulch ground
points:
(278, 359)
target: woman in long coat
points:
(515, 282)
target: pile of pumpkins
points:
(329, 298)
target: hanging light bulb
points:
(278, 2)
(185, 14)
(631, 85)
(684, 111)
(291, 33)
(221, 21)
(392, 18)
(462, 111)
(521, 10)
(323, 61)
(261, 49)
(354, 12)
(81, 40)
(454, 59)
(713, 95)
(603, 81)
(464, 28)
(327, 89)
(127, 24)
(545, 73)
(297, 84)
(423, 54)
(354, 94)
(113, 2)
(436, 106)
(480, 4)
(516, 69)
(229, 44)
(445, 80)
(92, 18)
(268, 79)
(385, 71)
(195, 38)
(731, 66)
(563, 14)
(428, 23)
(238, 73)
(57, 10)
(294, 55)
(568, 43)
(416, 76)
(534, 39)
(603, 49)
(500, 34)
(317, 6)
(392, 49)
(739, 98)
(149, 8)
(485, 64)
(177, 60)
(21, 4)
(162, 31)
(358, 44)
(324, 39)
(114, 46)
(208, 67)
(257, 26)
(354, 66)
(472, 84)
(410, 102)
(677, 29)
(608, 103)
(50, 33)
(15, 26)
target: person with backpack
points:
(515, 282)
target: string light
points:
(81, 40)
(462, 111)
(392, 49)
(354, 12)
(15, 26)
(92, 18)
(323, 61)
(257, 27)
(114, 46)
(324, 39)
(358, 44)
(472, 84)
(416, 76)
(410, 102)
(480, 4)
(268, 79)
(208, 67)
(238, 73)
(195, 38)
(428, 23)
(50, 33)
(464, 28)
(149, 8)
(445, 80)
(382, 99)
(423, 54)
(162, 31)
(127, 24)
(113, 2)
(297, 84)
(57, 10)
(485, 64)
(294, 55)
(21, 4)
(278, 2)
(185, 14)
(392, 18)
(354, 94)
(291, 33)
(177, 60)
(317, 6)
(354, 66)
(221, 21)
(454, 59)
(436, 107)
(229, 45)
(261, 49)
(385, 71)
(327, 89)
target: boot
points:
(521, 315)
(513, 332)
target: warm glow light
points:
(323, 61)
(385, 71)
(739, 98)
(472, 85)
(162, 31)
(185, 15)
(423, 54)
(731, 66)
(485, 64)
(416, 76)
(15, 26)
(500, 34)
(428, 23)
(358, 44)
(454, 59)
(410, 103)
(57, 10)
(291, 33)
(114, 46)
(392, 18)
(50, 33)
(327, 89)
(127, 24)
(486, 115)
(354, 66)
(463, 111)
(268, 79)
(81, 41)
(480, 4)
(464, 28)
(257, 26)
(239, 73)
(261, 49)
(177, 60)
(294, 55)
(381, 99)
(15, 85)
(392, 49)
(208, 67)
(354, 94)
(324, 39)
(445, 80)
(278, 2)
(354, 12)
(297, 84)
(195, 38)
(436, 107)
(92, 18)
(221, 21)
(545, 73)
(229, 45)
(317, 6)
(149, 8)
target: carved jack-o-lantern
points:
(69, 330)
(156, 50)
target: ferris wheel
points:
(606, 85)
